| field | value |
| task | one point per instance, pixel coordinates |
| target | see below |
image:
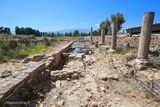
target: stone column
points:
(114, 37)
(145, 36)
(130, 33)
(91, 34)
(103, 36)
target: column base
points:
(111, 51)
(144, 62)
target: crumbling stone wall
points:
(23, 81)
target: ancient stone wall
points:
(33, 72)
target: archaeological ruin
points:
(116, 70)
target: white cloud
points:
(97, 25)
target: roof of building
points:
(140, 26)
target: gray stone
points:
(38, 57)
(28, 59)
(58, 84)
(6, 74)
(96, 44)
(75, 76)
(130, 56)
(60, 103)
(68, 79)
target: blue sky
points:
(53, 15)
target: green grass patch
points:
(122, 50)
(20, 52)
(40, 47)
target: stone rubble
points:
(102, 85)
(72, 70)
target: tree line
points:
(5, 30)
(31, 31)
(70, 34)
(27, 31)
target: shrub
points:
(20, 51)
(46, 41)
(122, 50)
(5, 37)
(157, 65)
(4, 46)
(40, 47)
(3, 58)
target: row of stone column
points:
(145, 36)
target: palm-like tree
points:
(119, 18)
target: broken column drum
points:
(114, 37)
(103, 36)
(145, 37)
(96, 44)
(91, 34)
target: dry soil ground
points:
(105, 83)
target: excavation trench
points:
(67, 65)
(72, 64)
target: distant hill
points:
(71, 30)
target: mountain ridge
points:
(81, 30)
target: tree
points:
(70, 33)
(66, 34)
(102, 24)
(119, 18)
(75, 33)
(105, 25)
(96, 33)
(83, 34)
(5, 30)
(1, 29)
(58, 34)
(52, 34)
(17, 30)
